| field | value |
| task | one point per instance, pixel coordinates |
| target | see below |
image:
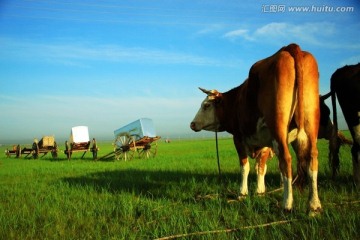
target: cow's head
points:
(207, 118)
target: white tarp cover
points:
(79, 134)
(139, 128)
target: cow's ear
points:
(216, 96)
(212, 94)
(218, 99)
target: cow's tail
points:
(302, 138)
(334, 145)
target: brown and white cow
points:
(345, 84)
(277, 104)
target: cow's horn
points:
(205, 91)
(213, 93)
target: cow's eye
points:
(206, 106)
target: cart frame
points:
(136, 137)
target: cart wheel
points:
(149, 150)
(54, 153)
(124, 153)
(125, 147)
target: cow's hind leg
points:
(314, 201)
(286, 171)
(307, 155)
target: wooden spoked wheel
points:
(124, 147)
(148, 150)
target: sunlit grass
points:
(177, 192)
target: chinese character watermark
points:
(273, 8)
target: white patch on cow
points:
(244, 179)
(260, 179)
(314, 203)
(288, 193)
(292, 135)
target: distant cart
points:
(44, 146)
(16, 150)
(80, 142)
(137, 137)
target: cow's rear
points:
(288, 99)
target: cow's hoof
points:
(262, 194)
(315, 212)
(241, 197)
(288, 211)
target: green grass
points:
(177, 192)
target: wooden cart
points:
(80, 142)
(16, 150)
(44, 146)
(137, 138)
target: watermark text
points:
(282, 8)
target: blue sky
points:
(105, 63)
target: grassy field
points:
(177, 194)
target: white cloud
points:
(239, 33)
(310, 33)
(273, 29)
(210, 29)
(79, 54)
